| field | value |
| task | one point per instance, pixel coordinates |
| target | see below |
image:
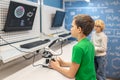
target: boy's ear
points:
(80, 30)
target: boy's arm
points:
(103, 46)
(70, 73)
(63, 63)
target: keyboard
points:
(64, 35)
(34, 44)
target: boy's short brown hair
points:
(85, 22)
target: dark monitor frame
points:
(12, 22)
(58, 19)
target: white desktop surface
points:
(40, 73)
(9, 53)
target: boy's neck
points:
(81, 37)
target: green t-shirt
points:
(83, 54)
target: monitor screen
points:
(58, 19)
(19, 17)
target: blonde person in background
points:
(99, 40)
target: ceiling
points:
(77, 0)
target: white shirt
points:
(100, 43)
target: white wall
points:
(47, 15)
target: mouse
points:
(47, 40)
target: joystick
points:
(53, 59)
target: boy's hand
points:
(54, 64)
(61, 62)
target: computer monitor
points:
(58, 19)
(19, 17)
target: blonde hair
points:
(100, 23)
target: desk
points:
(8, 53)
(40, 73)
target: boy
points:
(99, 40)
(82, 65)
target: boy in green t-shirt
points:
(82, 65)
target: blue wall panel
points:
(107, 10)
(33, 0)
(54, 3)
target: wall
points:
(33, 0)
(54, 3)
(58, 4)
(47, 17)
(107, 10)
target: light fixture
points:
(77, 0)
(87, 0)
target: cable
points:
(53, 42)
(17, 49)
(27, 58)
(34, 61)
(61, 40)
(38, 64)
